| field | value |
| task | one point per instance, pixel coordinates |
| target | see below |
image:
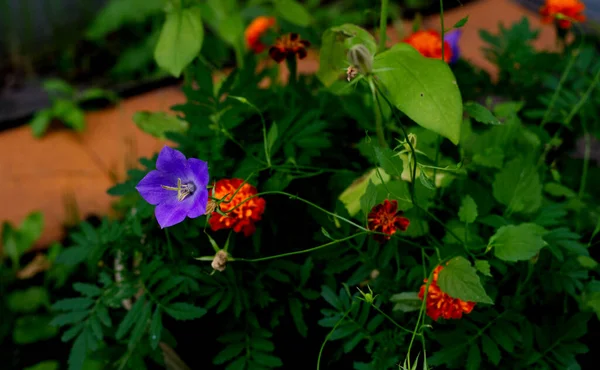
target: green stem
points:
(331, 332)
(392, 320)
(443, 30)
(378, 117)
(561, 82)
(299, 252)
(292, 64)
(383, 24)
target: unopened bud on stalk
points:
(220, 261)
(360, 57)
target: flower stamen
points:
(183, 190)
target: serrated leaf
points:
(517, 243)
(96, 327)
(490, 349)
(344, 330)
(331, 298)
(297, 316)
(406, 301)
(483, 266)
(102, 313)
(78, 352)
(87, 289)
(266, 359)
(72, 332)
(229, 353)
(474, 357)
(73, 304)
(69, 318)
(262, 344)
(518, 187)
(349, 345)
(459, 280)
(424, 89)
(155, 328)
(481, 114)
(272, 136)
(389, 161)
(132, 316)
(184, 311)
(468, 210)
(239, 364)
(180, 40)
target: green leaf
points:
(331, 298)
(184, 311)
(28, 300)
(406, 301)
(483, 266)
(297, 317)
(481, 114)
(518, 187)
(88, 290)
(131, 318)
(490, 349)
(102, 313)
(587, 262)
(468, 210)
(155, 328)
(517, 243)
(118, 13)
(425, 89)
(78, 352)
(367, 201)
(73, 304)
(293, 12)
(33, 328)
(491, 157)
(272, 136)
(474, 357)
(96, 327)
(44, 365)
(558, 190)
(266, 359)
(389, 161)
(40, 122)
(459, 280)
(30, 230)
(180, 40)
(229, 353)
(69, 318)
(56, 86)
(351, 197)
(461, 22)
(335, 43)
(69, 113)
(158, 124)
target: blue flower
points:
(452, 38)
(177, 187)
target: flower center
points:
(183, 190)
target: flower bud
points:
(220, 261)
(360, 57)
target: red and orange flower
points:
(385, 218)
(255, 30)
(287, 46)
(569, 9)
(440, 304)
(429, 44)
(242, 218)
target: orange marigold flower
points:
(255, 30)
(288, 45)
(242, 218)
(385, 218)
(571, 9)
(429, 44)
(440, 303)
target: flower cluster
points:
(240, 212)
(288, 45)
(385, 218)
(563, 11)
(429, 44)
(440, 304)
(255, 31)
(178, 189)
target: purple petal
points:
(151, 190)
(169, 214)
(199, 203)
(172, 162)
(198, 169)
(453, 37)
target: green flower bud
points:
(360, 57)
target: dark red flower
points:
(287, 46)
(440, 304)
(385, 218)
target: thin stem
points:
(561, 82)
(442, 21)
(341, 320)
(383, 24)
(583, 99)
(299, 252)
(378, 116)
(586, 158)
(292, 65)
(392, 320)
